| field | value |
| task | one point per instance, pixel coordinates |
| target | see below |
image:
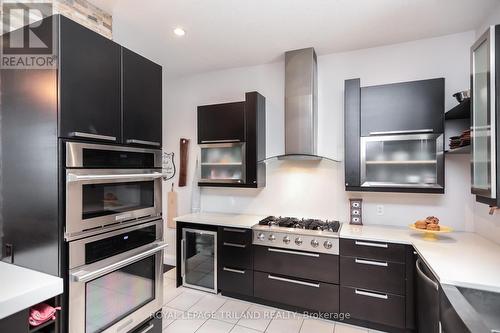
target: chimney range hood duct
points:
(301, 106)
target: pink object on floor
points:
(42, 313)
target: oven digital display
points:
(110, 246)
(101, 158)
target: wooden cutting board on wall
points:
(171, 207)
(184, 146)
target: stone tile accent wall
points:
(80, 11)
(86, 14)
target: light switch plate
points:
(356, 211)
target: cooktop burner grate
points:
(309, 224)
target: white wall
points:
(317, 190)
(492, 19)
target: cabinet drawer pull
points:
(147, 328)
(305, 254)
(370, 294)
(302, 283)
(233, 270)
(385, 246)
(220, 141)
(235, 245)
(92, 136)
(427, 130)
(143, 142)
(370, 262)
(241, 231)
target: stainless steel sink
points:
(469, 310)
(486, 304)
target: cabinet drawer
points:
(237, 235)
(237, 255)
(381, 308)
(151, 326)
(317, 296)
(377, 275)
(372, 250)
(305, 265)
(235, 280)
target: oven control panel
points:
(294, 241)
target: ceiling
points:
(232, 33)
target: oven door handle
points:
(82, 275)
(71, 177)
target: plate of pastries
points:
(430, 224)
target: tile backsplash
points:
(80, 11)
(86, 14)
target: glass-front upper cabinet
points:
(406, 161)
(483, 96)
(223, 163)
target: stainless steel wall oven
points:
(116, 278)
(108, 184)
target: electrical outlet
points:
(355, 209)
(380, 209)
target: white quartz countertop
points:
(462, 259)
(222, 219)
(21, 288)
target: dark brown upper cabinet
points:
(232, 138)
(221, 123)
(90, 84)
(394, 137)
(142, 100)
(409, 107)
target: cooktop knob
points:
(298, 241)
(260, 236)
(272, 238)
(328, 245)
(286, 240)
(314, 243)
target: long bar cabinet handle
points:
(305, 254)
(234, 245)
(302, 283)
(143, 142)
(370, 262)
(92, 136)
(361, 243)
(370, 294)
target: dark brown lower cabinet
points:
(373, 274)
(236, 281)
(305, 294)
(18, 322)
(382, 308)
(305, 265)
(377, 284)
(235, 262)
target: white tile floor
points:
(189, 311)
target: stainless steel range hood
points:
(301, 105)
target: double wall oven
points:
(114, 231)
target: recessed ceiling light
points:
(179, 32)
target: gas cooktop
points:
(311, 235)
(307, 224)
